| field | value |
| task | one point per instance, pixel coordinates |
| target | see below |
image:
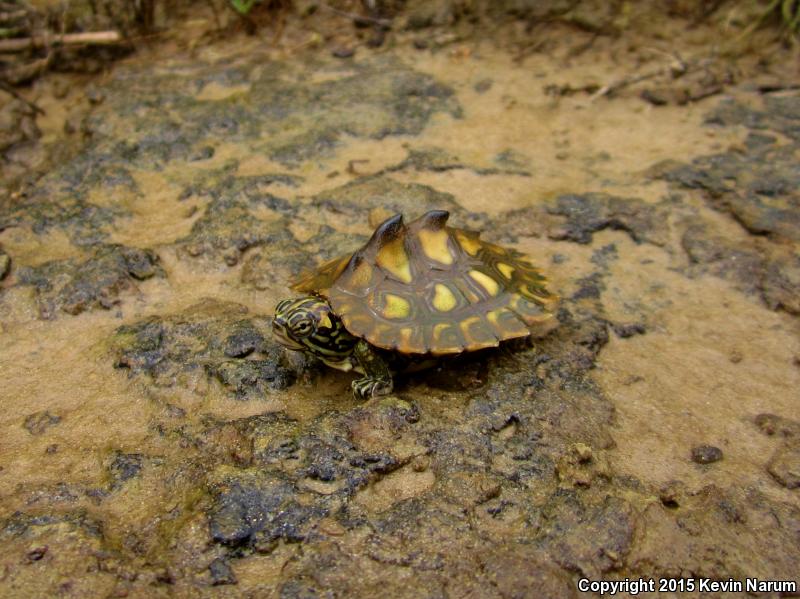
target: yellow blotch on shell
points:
(396, 306)
(485, 281)
(467, 323)
(405, 338)
(393, 258)
(468, 244)
(438, 329)
(539, 295)
(361, 276)
(443, 298)
(434, 245)
(494, 316)
(506, 269)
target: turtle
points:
(413, 293)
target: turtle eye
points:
(301, 327)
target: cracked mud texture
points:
(158, 442)
(757, 183)
(73, 286)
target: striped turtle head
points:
(308, 324)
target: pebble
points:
(5, 264)
(706, 454)
(221, 572)
(343, 52)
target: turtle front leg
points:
(377, 379)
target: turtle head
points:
(309, 324)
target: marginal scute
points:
(478, 333)
(447, 339)
(505, 269)
(471, 244)
(488, 283)
(506, 324)
(411, 340)
(427, 288)
(438, 329)
(323, 277)
(536, 293)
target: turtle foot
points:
(367, 388)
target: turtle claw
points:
(367, 388)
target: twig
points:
(351, 165)
(678, 68)
(358, 18)
(68, 39)
(768, 88)
(10, 90)
(8, 17)
(611, 88)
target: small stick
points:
(7, 17)
(351, 165)
(680, 66)
(68, 39)
(611, 88)
(358, 18)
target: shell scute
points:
(426, 288)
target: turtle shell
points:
(426, 288)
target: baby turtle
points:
(412, 293)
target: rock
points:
(241, 215)
(671, 494)
(243, 342)
(38, 422)
(656, 97)
(199, 340)
(37, 553)
(769, 271)
(5, 264)
(100, 281)
(221, 572)
(249, 379)
(596, 538)
(757, 187)
(258, 508)
(580, 466)
(629, 329)
(17, 125)
(586, 214)
(771, 424)
(124, 467)
(784, 465)
(483, 86)
(706, 454)
(343, 52)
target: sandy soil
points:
(156, 441)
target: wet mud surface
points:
(158, 442)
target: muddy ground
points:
(157, 442)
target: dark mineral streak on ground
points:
(158, 442)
